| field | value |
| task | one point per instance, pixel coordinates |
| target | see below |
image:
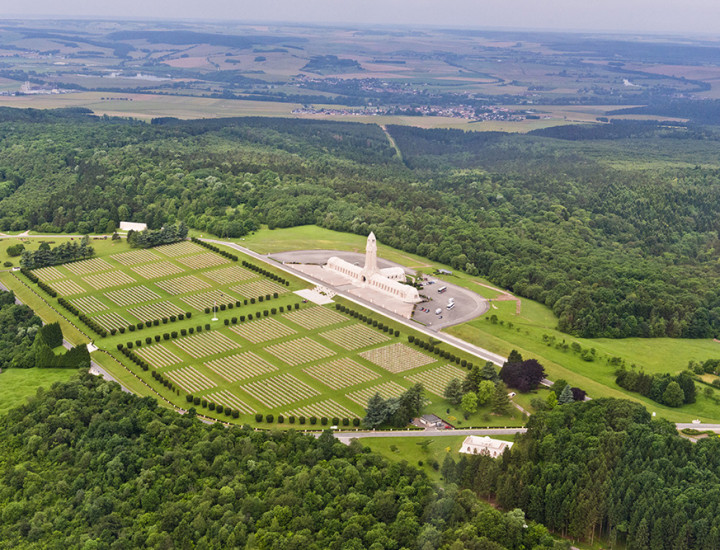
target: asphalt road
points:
(345, 437)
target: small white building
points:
(477, 445)
(127, 226)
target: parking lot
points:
(467, 305)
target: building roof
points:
(474, 444)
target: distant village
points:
(457, 111)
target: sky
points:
(652, 16)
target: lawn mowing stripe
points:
(386, 390)
(108, 279)
(299, 351)
(341, 373)
(436, 380)
(158, 356)
(157, 270)
(240, 366)
(190, 379)
(263, 330)
(227, 399)
(397, 357)
(279, 390)
(355, 336)
(315, 317)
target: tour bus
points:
(451, 305)
(442, 289)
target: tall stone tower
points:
(371, 256)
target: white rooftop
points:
(475, 445)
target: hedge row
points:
(215, 249)
(367, 320)
(211, 406)
(165, 336)
(336, 421)
(257, 315)
(429, 346)
(266, 273)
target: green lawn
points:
(16, 385)
(526, 334)
(412, 450)
(596, 377)
(263, 380)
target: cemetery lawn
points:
(293, 359)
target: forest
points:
(569, 220)
(605, 467)
(86, 465)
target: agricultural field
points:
(278, 356)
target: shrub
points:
(113, 331)
(207, 327)
(234, 320)
(222, 307)
(235, 413)
(198, 328)
(258, 417)
(174, 334)
(131, 328)
(356, 422)
(324, 421)
(269, 418)
(204, 403)
(156, 322)
(129, 345)
(260, 298)
(164, 320)
(238, 303)
(335, 421)
(211, 406)
(188, 314)
(173, 318)
(219, 408)
(166, 336)
(148, 340)
(191, 330)
(183, 332)
(207, 310)
(411, 338)
(196, 401)
(227, 322)
(273, 310)
(291, 419)
(265, 312)
(281, 419)
(345, 421)
(301, 419)
(120, 347)
(313, 420)
(148, 324)
(228, 411)
(275, 295)
(138, 343)
(189, 398)
(157, 337)
(252, 300)
(297, 306)
(140, 326)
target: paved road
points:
(701, 427)
(345, 437)
(479, 352)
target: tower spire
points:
(371, 255)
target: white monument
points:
(385, 280)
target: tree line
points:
(85, 464)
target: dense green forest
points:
(618, 236)
(18, 327)
(604, 467)
(85, 465)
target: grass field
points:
(310, 361)
(526, 334)
(16, 385)
(410, 449)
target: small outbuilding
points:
(479, 445)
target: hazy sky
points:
(675, 16)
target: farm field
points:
(278, 356)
